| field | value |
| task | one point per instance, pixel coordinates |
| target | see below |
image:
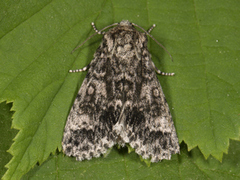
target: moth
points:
(121, 100)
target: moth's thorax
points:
(125, 43)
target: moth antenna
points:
(83, 42)
(96, 32)
(148, 33)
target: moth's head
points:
(125, 23)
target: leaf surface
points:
(38, 36)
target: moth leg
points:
(162, 73)
(95, 29)
(80, 70)
(151, 28)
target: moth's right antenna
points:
(148, 33)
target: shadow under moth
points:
(121, 100)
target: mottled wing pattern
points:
(88, 131)
(145, 121)
(149, 126)
(121, 101)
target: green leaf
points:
(121, 165)
(38, 36)
(6, 134)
